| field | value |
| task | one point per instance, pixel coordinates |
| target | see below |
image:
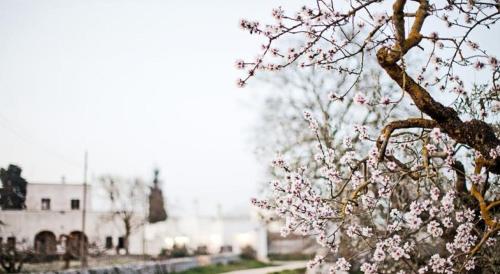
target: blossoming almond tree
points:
(340, 123)
(293, 90)
(425, 198)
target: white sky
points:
(139, 84)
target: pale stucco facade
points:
(63, 216)
(57, 208)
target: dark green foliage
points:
(220, 268)
(176, 252)
(293, 271)
(248, 253)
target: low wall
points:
(156, 267)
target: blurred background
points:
(139, 85)
(126, 139)
(124, 135)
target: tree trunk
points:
(128, 229)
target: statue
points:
(14, 188)
(157, 211)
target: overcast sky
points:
(139, 84)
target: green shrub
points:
(175, 252)
(248, 253)
(293, 271)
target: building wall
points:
(61, 219)
(210, 231)
(24, 225)
(193, 232)
(60, 196)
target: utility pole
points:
(83, 244)
(145, 220)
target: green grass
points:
(219, 268)
(293, 271)
(290, 257)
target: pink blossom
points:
(360, 99)
(342, 265)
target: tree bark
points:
(474, 133)
(128, 229)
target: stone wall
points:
(157, 267)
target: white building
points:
(214, 233)
(55, 210)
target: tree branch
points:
(474, 133)
(398, 19)
(409, 123)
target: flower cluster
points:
(388, 200)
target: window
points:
(121, 242)
(109, 242)
(75, 204)
(45, 204)
(225, 248)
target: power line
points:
(4, 123)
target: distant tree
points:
(293, 90)
(14, 188)
(127, 199)
(14, 254)
(425, 197)
(281, 125)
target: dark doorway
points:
(121, 242)
(45, 243)
(109, 242)
(74, 243)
